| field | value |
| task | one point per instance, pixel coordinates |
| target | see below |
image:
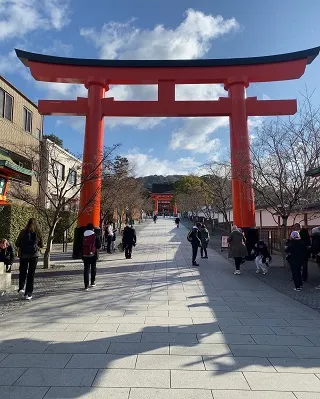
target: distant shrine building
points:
(163, 199)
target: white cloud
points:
(146, 165)
(19, 17)
(191, 39)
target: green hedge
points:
(14, 218)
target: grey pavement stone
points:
(201, 349)
(262, 351)
(221, 321)
(298, 340)
(23, 346)
(296, 330)
(306, 395)
(283, 382)
(133, 328)
(220, 338)
(15, 392)
(101, 361)
(246, 330)
(265, 322)
(204, 328)
(2, 356)
(36, 377)
(9, 376)
(169, 362)
(304, 352)
(148, 393)
(315, 339)
(113, 337)
(168, 321)
(123, 319)
(133, 378)
(79, 347)
(34, 327)
(36, 360)
(126, 348)
(253, 395)
(230, 363)
(57, 336)
(309, 366)
(92, 327)
(208, 380)
(88, 393)
(169, 338)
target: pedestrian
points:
(90, 244)
(155, 217)
(6, 254)
(108, 236)
(204, 234)
(113, 241)
(262, 257)
(195, 240)
(237, 248)
(29, 243)
(177, 222)
(129, 240)
(296, 254)
(305, 237)
(315, 247)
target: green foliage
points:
(15, 217)
(55, 139)
(147, 181)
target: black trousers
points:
(237, 262)
(128, 250)
(296, 274)
(109, 240)
(194, 252)
(305, 269)
(204, 249)
(27, 271)
(89, 263)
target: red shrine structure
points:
(235, 74)
(162, 196)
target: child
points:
(6, 254)
(262, 257)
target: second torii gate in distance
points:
(235, 74)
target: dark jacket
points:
(305, 237)
(296, 251)
(315, 247)
(97, 243)
(204, 234)
(261, 249)
(129, 236)
(237, 248)
(177, 221)
(194, 237)
(25, 237)
(7, 255)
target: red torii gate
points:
(236, 75)
(163, 197)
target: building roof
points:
(313, 172)
(7, 163)
(309, 54)
(18, 91)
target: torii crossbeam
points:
(236, 75)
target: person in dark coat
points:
(296, 251)
(305, 237)
(29, 243)
(194, 238)
(6, 254)
(177, 222)
(90, 255)
(237, 248)
(205, 237)
(315, 247)
(262, 257)
(129, 240)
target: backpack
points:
(29, 244)
(89, 246)
(189, 236)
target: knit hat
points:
(295, 235)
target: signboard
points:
(224, 242)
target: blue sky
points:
(163, 29)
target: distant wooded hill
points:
(159, 179)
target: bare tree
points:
(58, 190)
(282, 152)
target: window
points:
(27, 120)
(72, 177)
(58, 170)
(38, 134)
(6, 105)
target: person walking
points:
(155, 217)
(90, 244)
(28, 243)
(204, 234)
(262, 257)
(195, 241)
(6, 254)
(129, 240)
(109, 236)
(177, 222)
(237, 248)
(305, 237)
(315, 247)
(296, 255)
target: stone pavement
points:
(156, 327)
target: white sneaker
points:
(86, 289)
(21, 293)
(237, 272)
(93, 285)
(28, 297)
(258, 271)
(265, 272)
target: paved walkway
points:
(155, 327)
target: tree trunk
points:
(283, 240)
(46, 257)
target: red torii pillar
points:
(236, 74)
